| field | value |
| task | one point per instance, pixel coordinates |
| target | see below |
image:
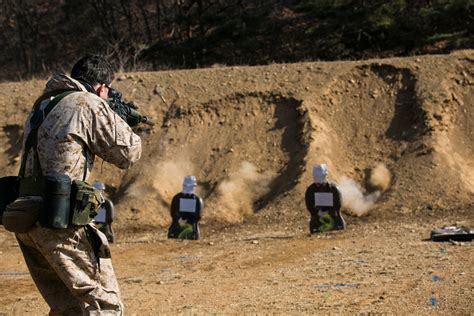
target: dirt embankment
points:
(251, 134)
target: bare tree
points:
(142, 6)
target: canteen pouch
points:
(22, 214)
(85, 201)
(8, 192)
(57, 203)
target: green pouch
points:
(22, 214)
(85, 201)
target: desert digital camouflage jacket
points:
(81, 126)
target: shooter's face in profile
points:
(102, 90)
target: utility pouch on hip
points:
(22, 214)
(85, 201)
(31, 186)
(8, 192)
(57, 204)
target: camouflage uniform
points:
(62, 262)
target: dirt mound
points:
(251, 134)
(455, 124)
(373, 117)
(244, 149)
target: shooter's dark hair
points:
(93, 69)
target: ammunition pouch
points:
(52, 200)
(43, 199)
(85, 201)
(56, 210)
(22, 214)
(8, 192)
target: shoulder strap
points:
(35, 122)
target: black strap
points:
(48, 95)
(35, 122)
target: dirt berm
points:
(397, 136)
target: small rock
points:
(438, 116)
(157, 89)
(374, 93)
(405, 210)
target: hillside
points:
(397, 135)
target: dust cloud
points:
(240, 190)
(155, 191)
(137, 191)
(166, 180)
(168, 177)
(355, 198)
(380, 177)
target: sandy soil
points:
(397, 135)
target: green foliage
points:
(388, 25)
(446, 36)
(386, 16)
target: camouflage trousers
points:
(68, 273)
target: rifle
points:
(128, 111)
